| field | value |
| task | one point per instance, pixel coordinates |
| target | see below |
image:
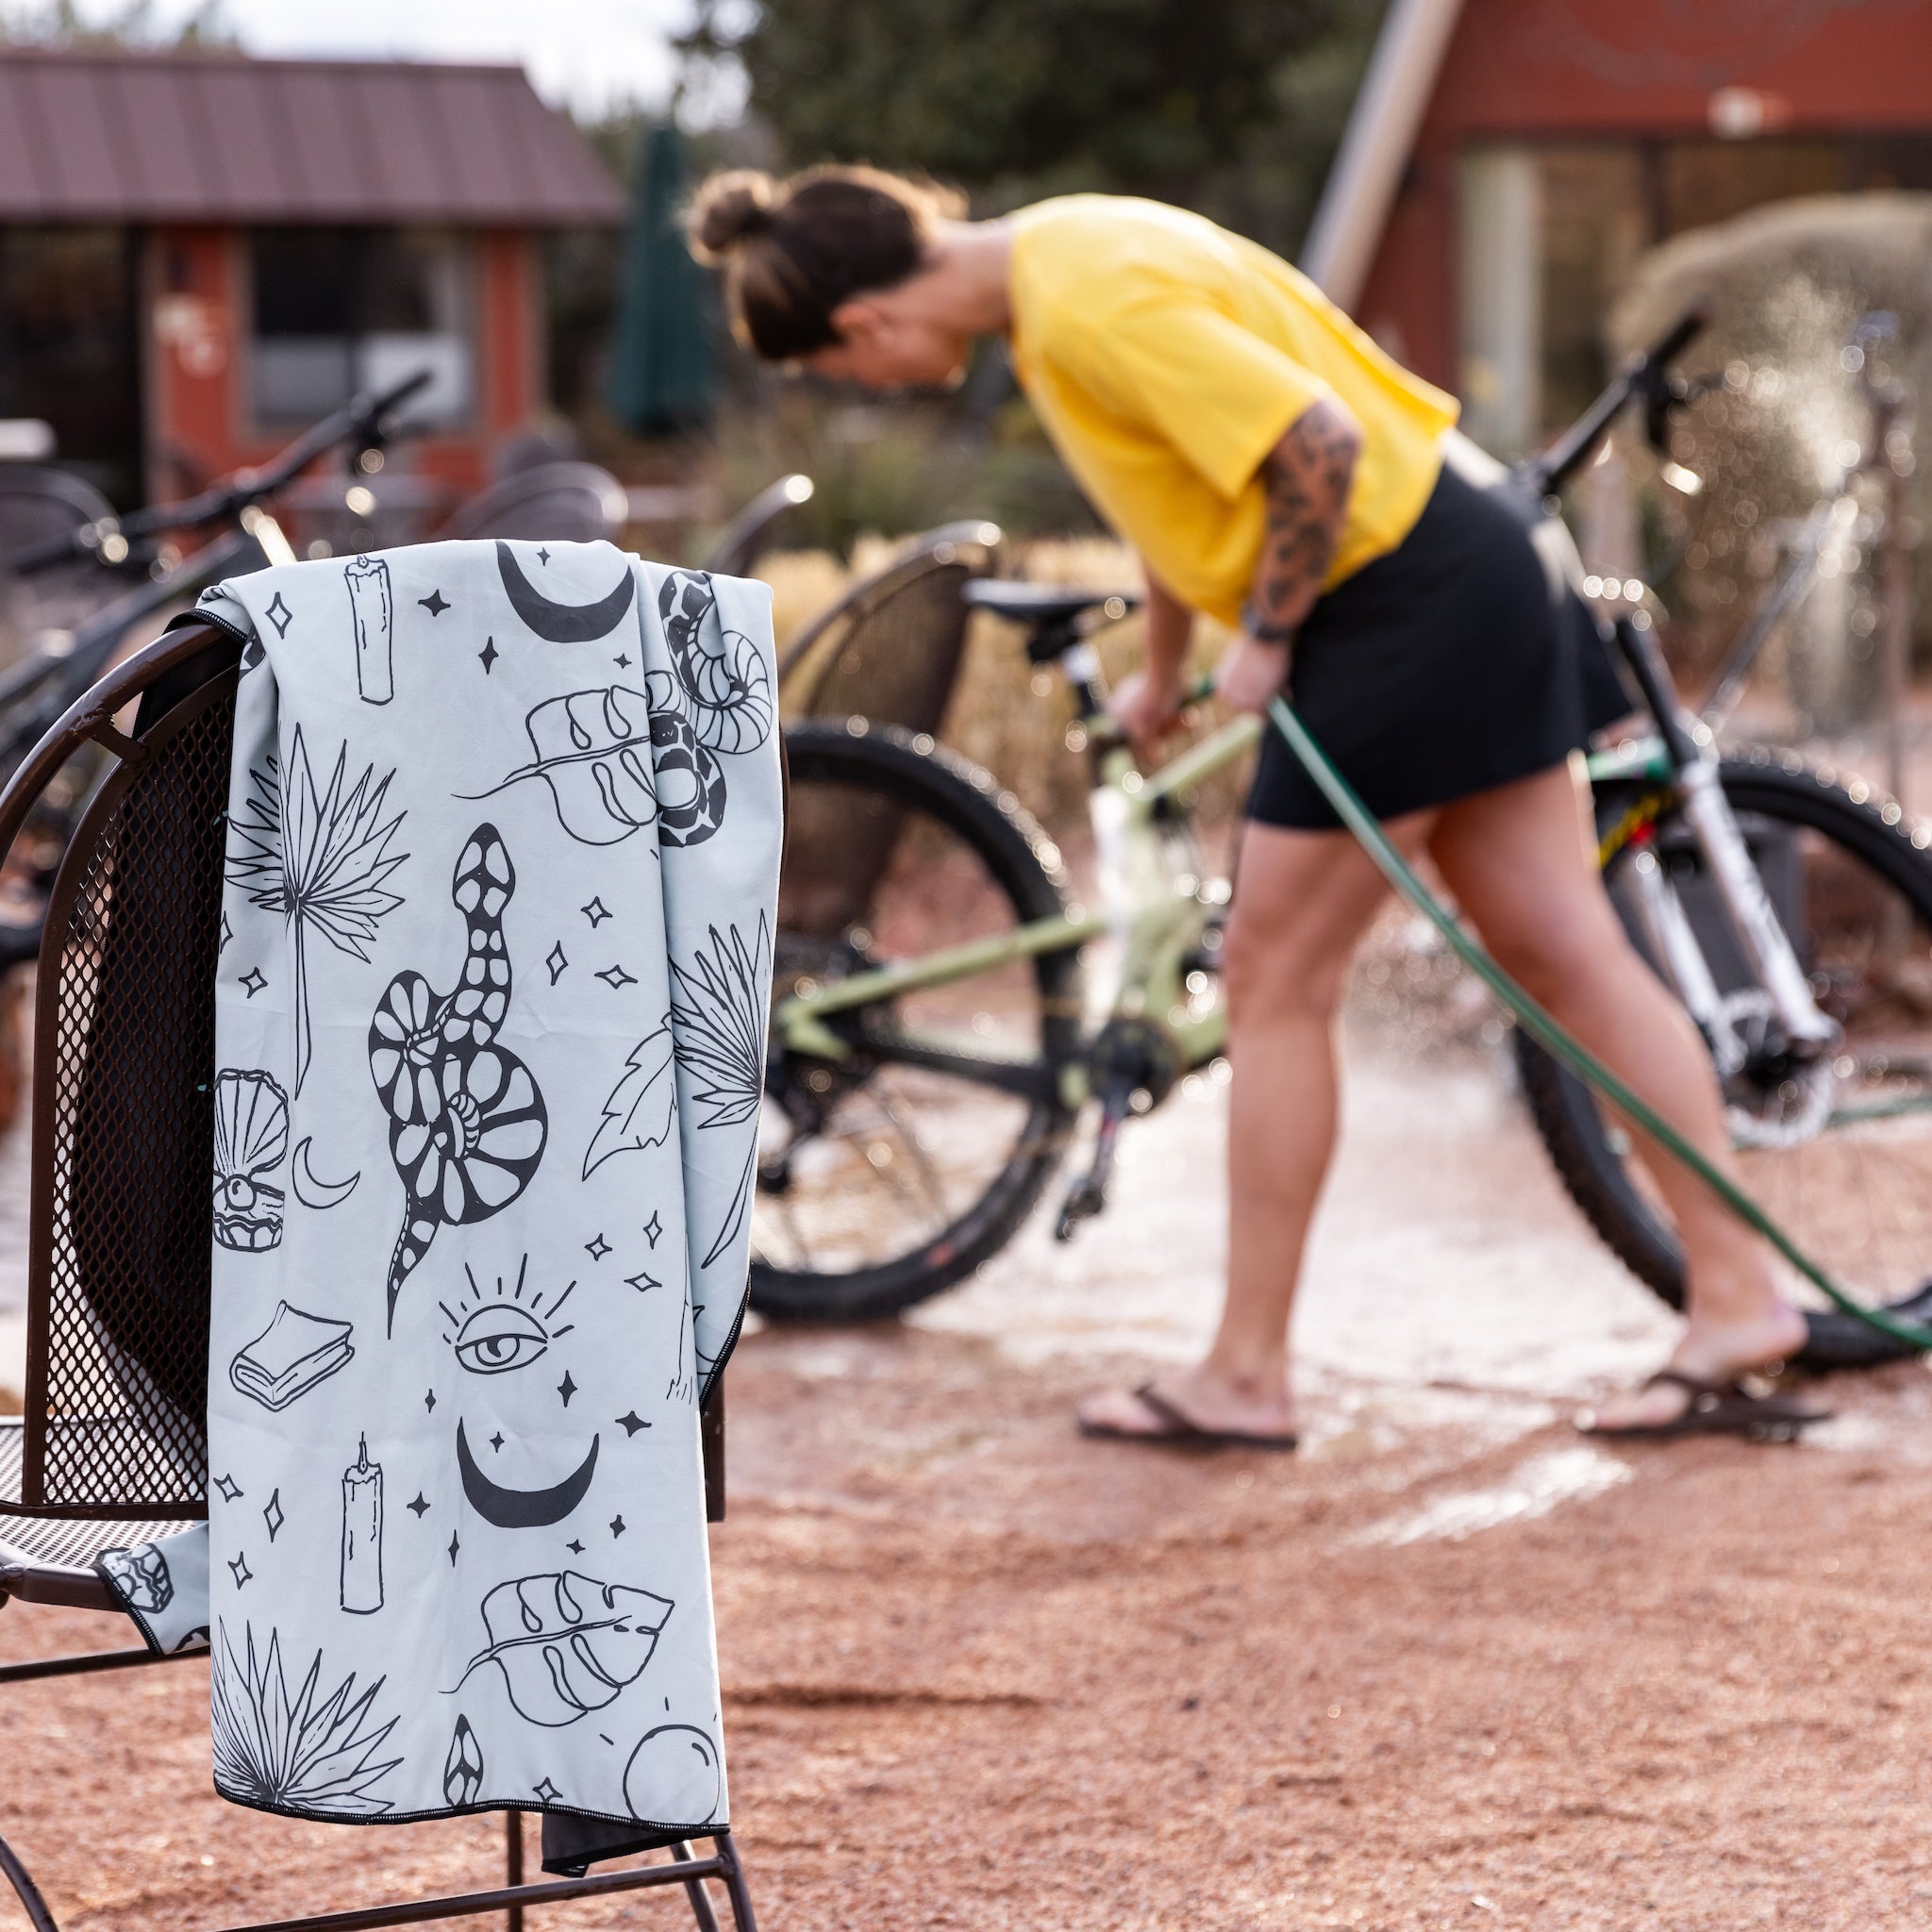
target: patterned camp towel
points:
(502, 852)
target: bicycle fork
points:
(1753, 920)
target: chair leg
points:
(700, 1901)
(743, 1916)
(513, 1865)
(38, 1916)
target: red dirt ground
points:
(981, 1673)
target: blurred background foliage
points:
(1229, 107)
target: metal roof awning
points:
(134, 136)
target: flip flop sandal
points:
(1720, 1408)
(1179, 1430)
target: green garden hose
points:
(1547, 1034)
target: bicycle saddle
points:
(1042, 603)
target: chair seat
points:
(50, 1558)
(1041, 603)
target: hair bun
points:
(731, 209)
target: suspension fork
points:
(1748, 912)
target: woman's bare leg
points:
(1522, 863)
(1302, 903)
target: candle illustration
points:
(363, 1534)
(375, 613)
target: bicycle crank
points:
(1131, 1070)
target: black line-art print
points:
(563, 624)
(597, 1247)
(674, 1775)
(557, 960)
(436, 603)
(273, 1517)
(372, 606)
(640, 1107)
(281, 615)
(141, 1578)
(495, 1331)
(718, 1022)
(311, 1188)
(251, 1143)
(615, 977)
(320, 859)
(727, 687)
(592, 749)
(362, 1566)
(252, 982)
(462, 1769)
(509, 1509)
(230, 1490)
(488, 656)
(238, 1568)
(681, 1387)
(596, 912)
(566, 1644)
(467, 1122)
(308, 1751)
(294, 1353)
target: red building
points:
(200, 253)
(1509, 159)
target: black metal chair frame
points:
(50, 1532)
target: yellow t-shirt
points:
(1167, 356)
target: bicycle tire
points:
(914, 771)
(1574, 1132)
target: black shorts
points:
(1446, 667)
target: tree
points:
(1229, 106)
(58, 23)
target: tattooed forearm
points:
(1306, 476)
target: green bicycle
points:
(935, 1039)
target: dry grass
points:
(1004, 715)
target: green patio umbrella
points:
(661, 372)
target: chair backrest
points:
(889, 650)
(38, 505)
(121, 1207)
(567, 503)
(742, 542)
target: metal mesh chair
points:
(566, 503)
(888, 651)
(112, 1448)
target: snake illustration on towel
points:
(467, 1123)
(618, 759)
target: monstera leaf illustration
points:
(566, 1644)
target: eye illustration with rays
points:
(496, 1329)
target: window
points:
(68, 348)
(343, 310)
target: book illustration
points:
(294, 1353)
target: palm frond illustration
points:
(319, 858)
(305, 1751)
(718, 1026)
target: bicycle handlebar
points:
(359, 419)
(1648, 374)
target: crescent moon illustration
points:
(521, 1509)
(312, 1193)
(563, 624)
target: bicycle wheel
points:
(888, 1172)
(1839, 1153)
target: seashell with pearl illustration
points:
(251, 1143)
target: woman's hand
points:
(1251, 672)
(1147, 708)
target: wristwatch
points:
(1258, 627)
